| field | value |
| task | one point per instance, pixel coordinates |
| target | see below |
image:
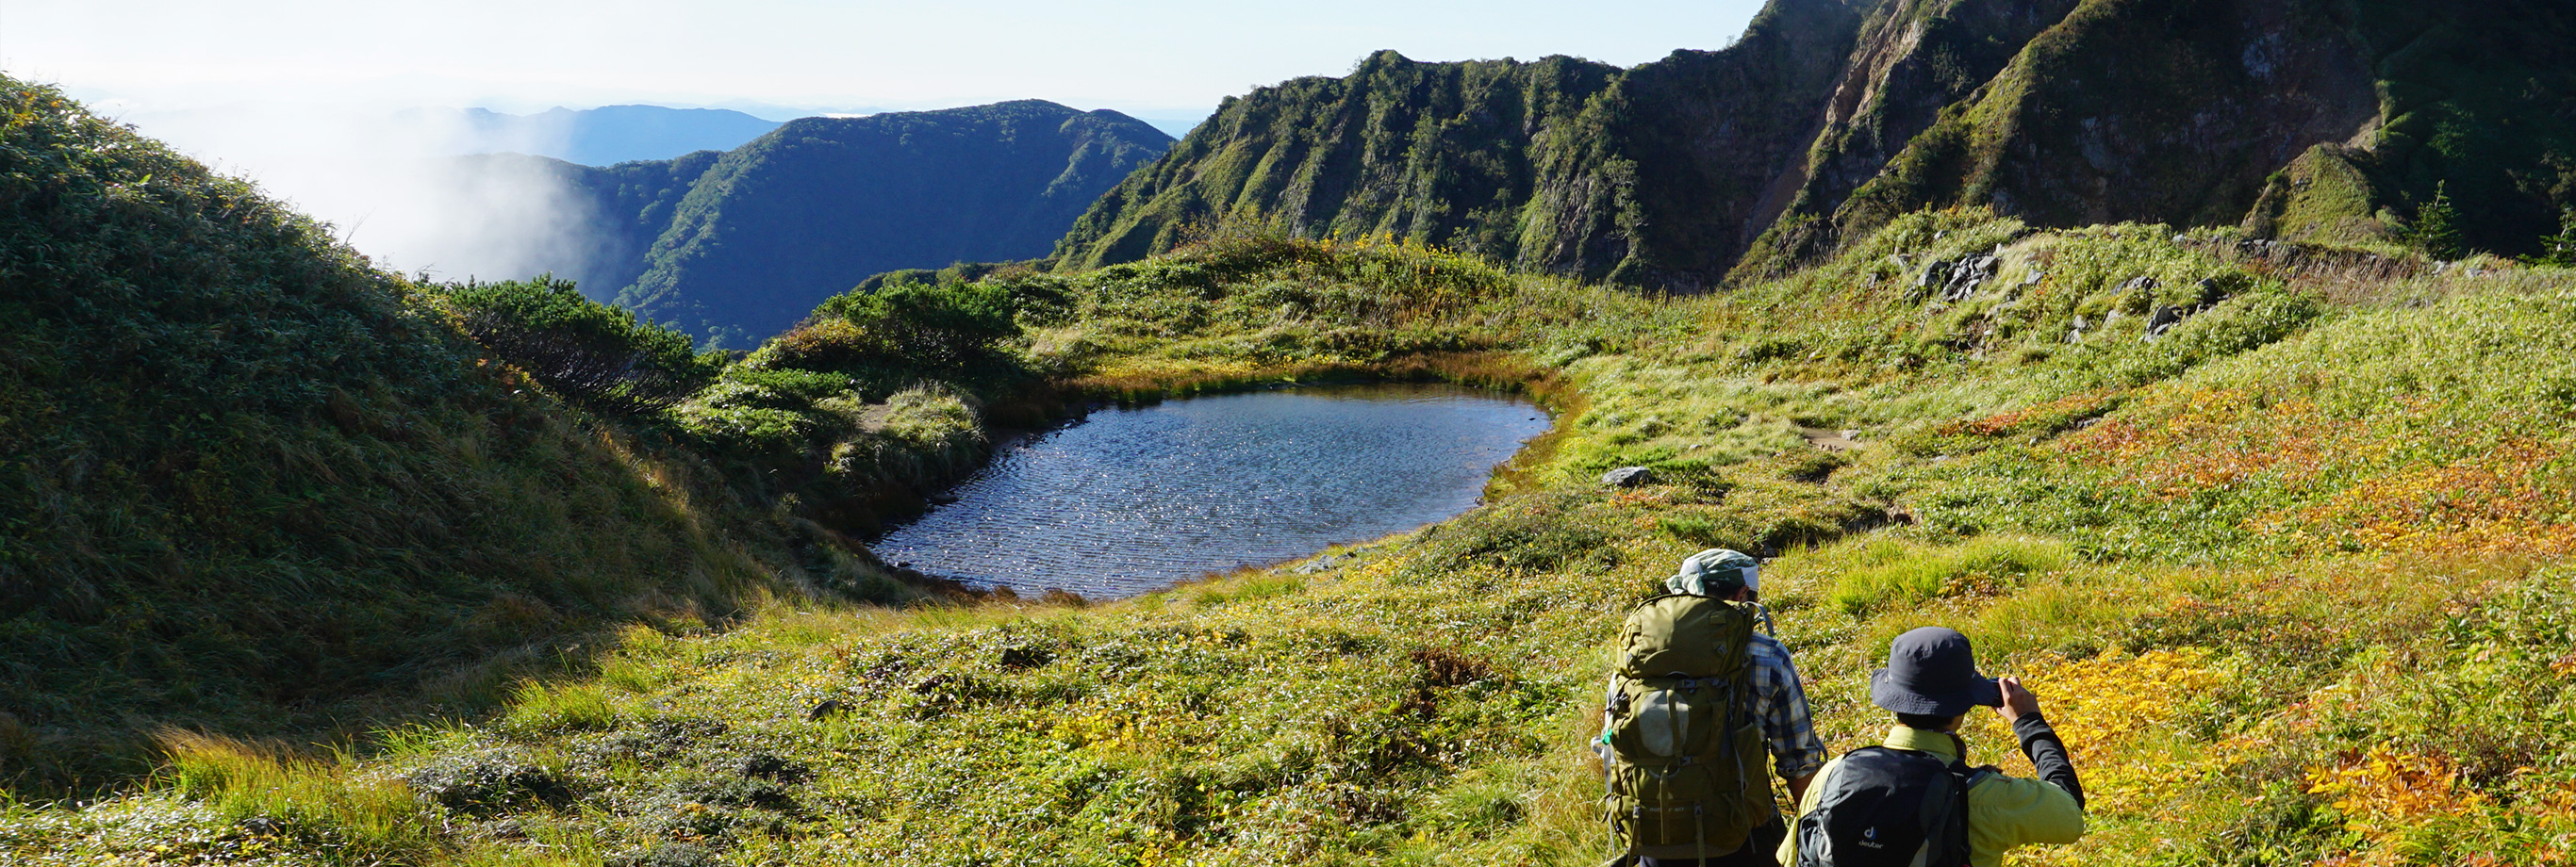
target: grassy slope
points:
(2288, 575)
(251, 486)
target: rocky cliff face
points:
(1678, 166)
(1653, 175)
(2172, 111)
(2478, 102)
(1914, 59)
(2315, 119)
(1441, 152)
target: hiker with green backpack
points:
(1912, 801)
(1697, 697)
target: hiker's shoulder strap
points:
(2022, 810)
(1762, 618)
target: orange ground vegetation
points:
(2498, 501)
(2509, 499)
(2041, 418)
(2211, 439)
(2384, 791)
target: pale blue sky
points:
(1149, 57)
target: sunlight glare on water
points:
(1132, 500)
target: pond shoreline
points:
(1138, 495)
(1043, 408)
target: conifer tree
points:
(2560, 249)
(2437, 226)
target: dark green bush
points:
(2437, 226)
(775, 389)
(590, 352)
(922, 324)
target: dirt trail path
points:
(873, 417)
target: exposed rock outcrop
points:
(2323, 120)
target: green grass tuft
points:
(1887, 574)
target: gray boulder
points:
(2164, 320)
(1628, 477)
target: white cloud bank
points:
(391, 186)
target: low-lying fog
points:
(391, 186)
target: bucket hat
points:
(1932, 671)
(1716, 572)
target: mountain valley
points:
(2210, 363)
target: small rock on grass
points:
(1326, 563)
(1628, 477)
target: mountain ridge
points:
(741, 244)
(1828, 118)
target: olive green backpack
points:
(1686, 776)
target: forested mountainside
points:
(2302, 119)
(1441, 150)
(2334, 120)
(745, 243)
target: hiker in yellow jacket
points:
(1863, 808)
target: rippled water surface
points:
(1131, 500)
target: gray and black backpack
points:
(1886, 807)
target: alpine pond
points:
(1133, 499)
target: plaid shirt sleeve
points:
(1781, 703)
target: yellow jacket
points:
(2003, 812)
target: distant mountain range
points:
(739, 245)
(2325, 120)
(2328, 120)
(594, 137)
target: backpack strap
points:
(1699, 829)
(1964, 778)
(1959, 768)
(1743, 704)
(1967, 778)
